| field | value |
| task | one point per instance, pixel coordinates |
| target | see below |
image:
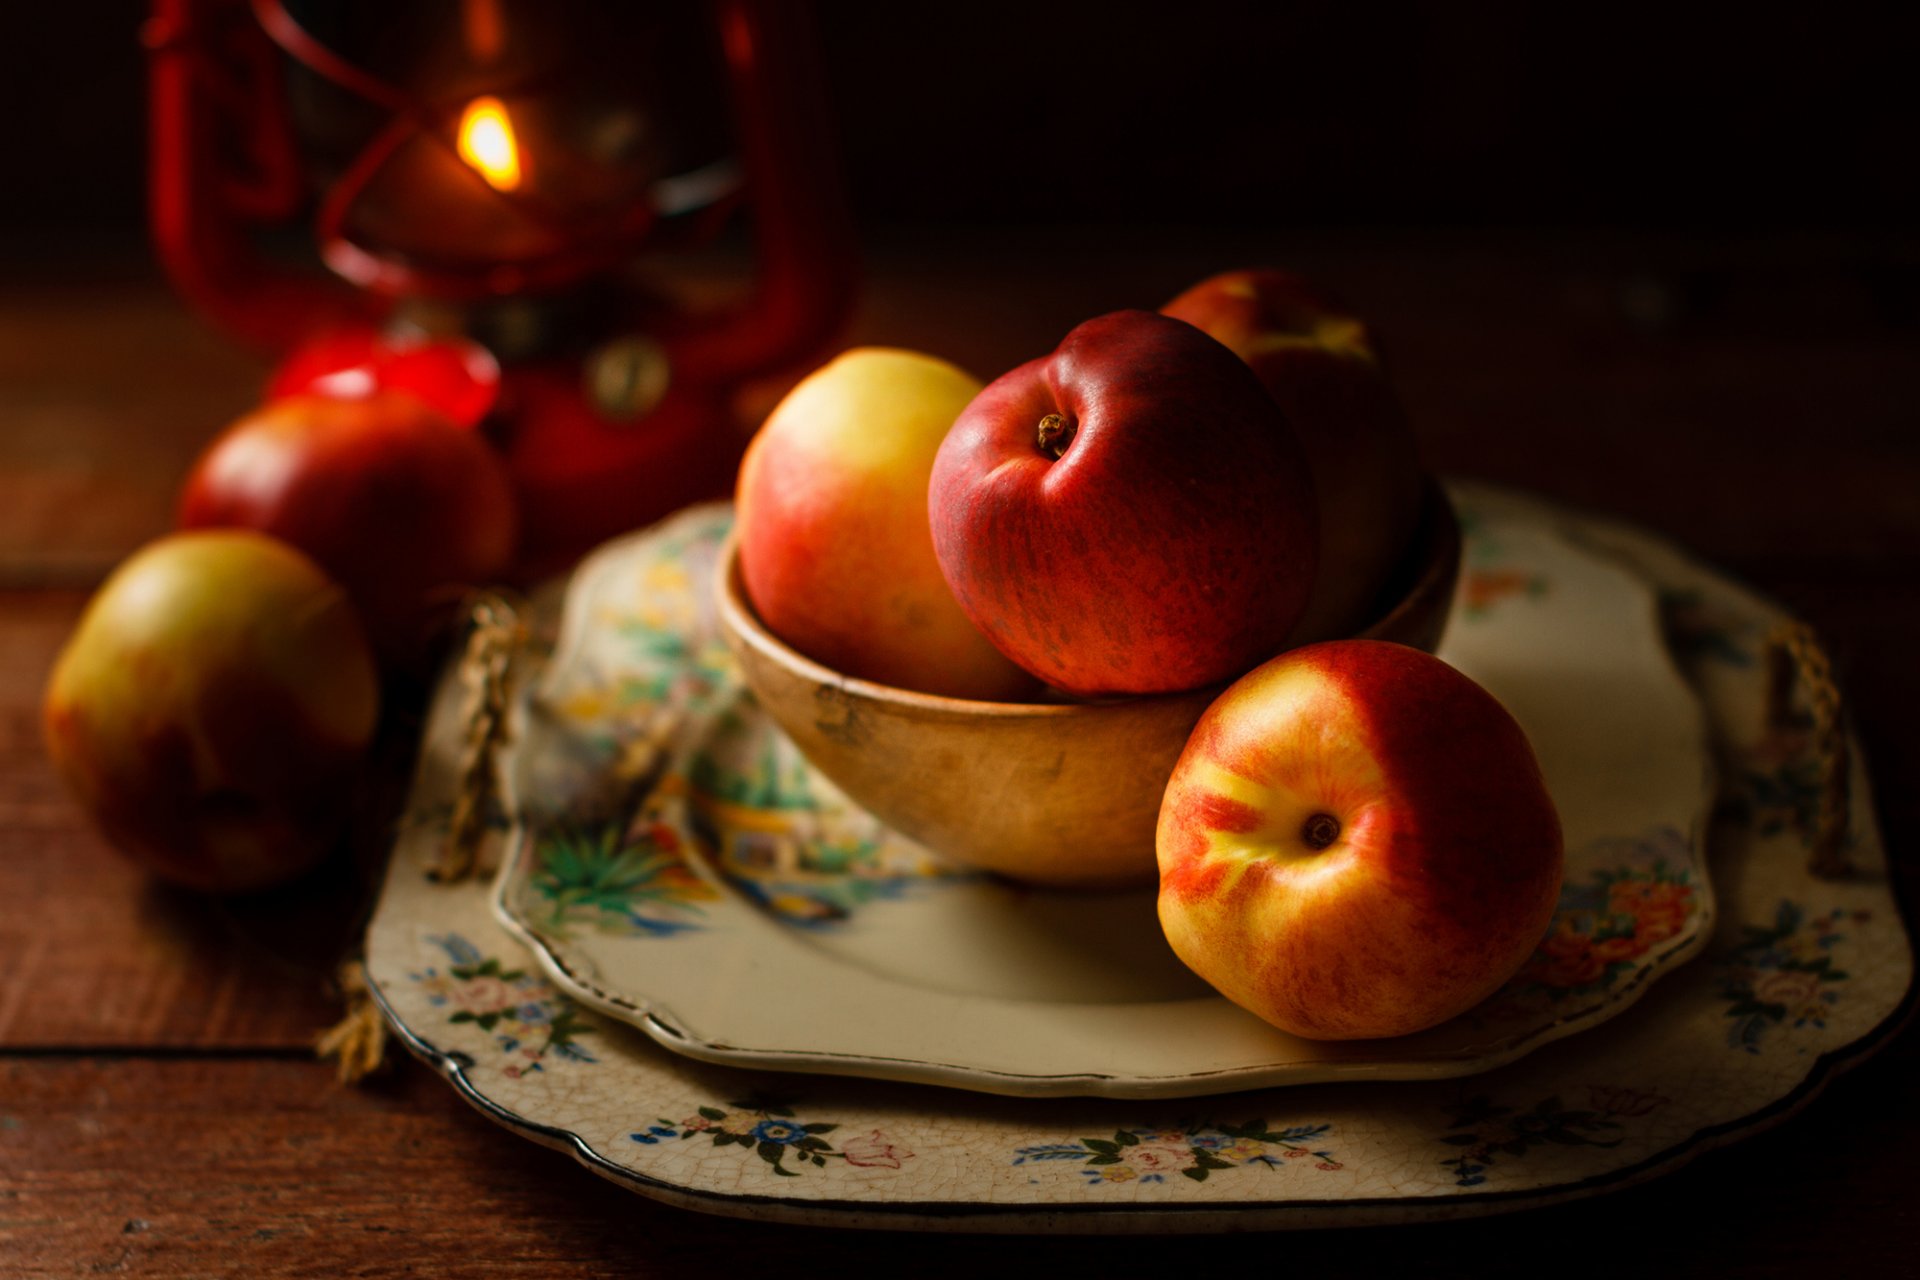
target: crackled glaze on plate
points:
(677, 864)
(1801, 978)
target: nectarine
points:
(835, 549)
(1322, 367)
(1129, 514)
(1357, 842)
(211, 710)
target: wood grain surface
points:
(1759, 402)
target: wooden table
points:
(160, 1110)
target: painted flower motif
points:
(458, 949)
(1659, 907)
(1159, 1158)
(768, 1127)
(873, 1151)
(1567, 959)
(635, 883)
(486, 993)
(1483, 588)
(527, 1019)
(1784, 974)
(665, 577)
(1605, 925)
(780, 1131)
(1197, 1152)
(1792, 988)
(737, 1121)
(1485, 1132)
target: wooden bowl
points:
(1052, 793)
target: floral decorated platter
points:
(675, 863)
(1800, 977)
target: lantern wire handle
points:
(287, 32)
(415, 117)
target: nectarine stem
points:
(1055, 434)
(1321, 830)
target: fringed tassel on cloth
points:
(485, 671)
(1798, 661)
(358, 1042)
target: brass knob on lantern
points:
(626, 378)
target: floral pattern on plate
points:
(1783, 974)
(1636, 1096)
(769, 1128)
(628, 879)
(793, 879)
(1613, 917)
(1193, 1151)
(526, 1018)
(1486, 1132)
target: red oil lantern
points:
(493, 188)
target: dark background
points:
(1657, 261)
(1003, 113)
(1695, 227)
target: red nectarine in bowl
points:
(1048, 792)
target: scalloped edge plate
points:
(966, 982)
(1697, 1065)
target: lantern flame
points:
(486, 142)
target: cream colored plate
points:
(1803, 978)
(677, 865)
